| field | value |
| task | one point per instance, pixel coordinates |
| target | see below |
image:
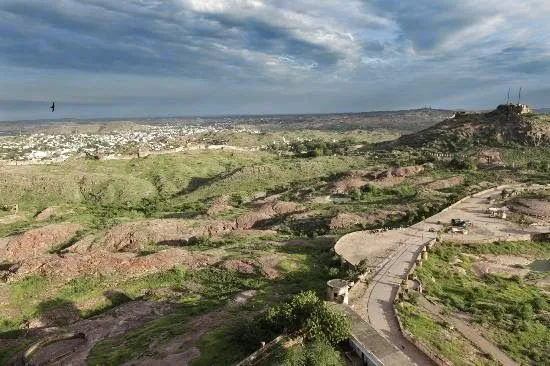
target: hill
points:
(402, 121)
(504, 126)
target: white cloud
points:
(472, 34)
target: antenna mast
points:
(519, 95)
(508, 99)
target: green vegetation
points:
(310, 168)
(106, 183)
(306, 313)
(211, 288)
(523, 156)
(35, 295)
(135, 344)
(514, 308)
(317, 353)
(23, 295)
(208, 289)
(437, 337)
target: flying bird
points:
(53, 106)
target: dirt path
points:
(469, 332)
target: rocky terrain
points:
(503, 126)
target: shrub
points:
(355, 194)
(317, 353)
(413, 297)
(307, 313)
(462, 164)
(353, 273)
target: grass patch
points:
(513, 309)
(136, 344)
(25, 294)
(219, 347)
(437, 337)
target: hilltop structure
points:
(507, 124)
(514, 108)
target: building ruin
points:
(337, 291)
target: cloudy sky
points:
(117, 58)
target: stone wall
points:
(261, 353)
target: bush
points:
(413, 297)
(353, 273)
(327, 325)
(317, 353)
(355, 194)
(462, 164)
(307, 313)
(236, 200)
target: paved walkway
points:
(383, 288)
(406, 244)
(469, 332)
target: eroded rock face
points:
(240, 266)
(349, 220)
(346, 220)
(36, 242)
(47, 213)
(218, 205)
(266, 211)
(132, 237)
(407, 171)
(539, 208)
(102, 262)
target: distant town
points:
(43, 148)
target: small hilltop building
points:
(524, 108)
(514, 108)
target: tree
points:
(323, 354)
(353, 273)
(327, 325)
(317, 353)
(463, 163)
(306, 312)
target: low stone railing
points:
(261, 353)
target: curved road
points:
(407, 243)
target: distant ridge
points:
(506, 125)
(402, 121)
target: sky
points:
(141, 58)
